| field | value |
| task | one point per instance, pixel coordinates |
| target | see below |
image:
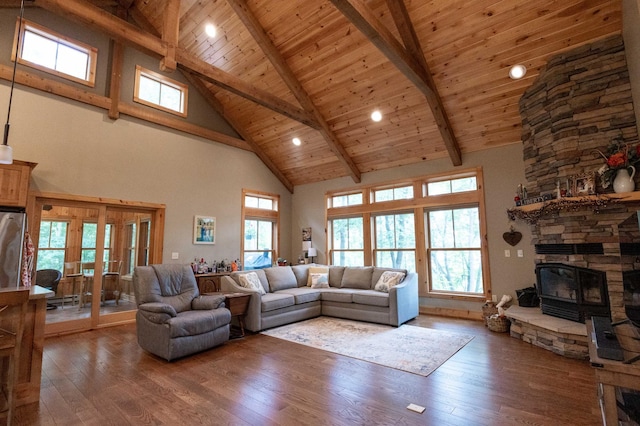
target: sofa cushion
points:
(336, 295)
(378, 271)
(259, 272)
(302, 294)
(280, 278)
(273, 301)
(387, 280)
(191, 323)
(370, 297)
(335, 275)
(251, 281)
(300, 271)
(357, 277)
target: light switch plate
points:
(507, 253)
(175, 255)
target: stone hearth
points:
(563, 337)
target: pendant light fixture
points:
(6, 152)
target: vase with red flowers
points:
(620, 166)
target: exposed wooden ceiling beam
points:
(275, 57)
(170, 34)
(219, 108)
(363, 19)
(117, 61)
(127, 33)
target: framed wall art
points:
(204, 230)
(584, 184)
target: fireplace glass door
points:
(558, 282)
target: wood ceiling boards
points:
(316, 69)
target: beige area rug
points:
(414, 349)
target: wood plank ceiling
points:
(316, 69)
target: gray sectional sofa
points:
(350, 293)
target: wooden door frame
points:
(37, 200)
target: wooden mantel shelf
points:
(532, 212)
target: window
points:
(260, 218)
(452, 186)
(433, 225)
(258, 244)
(56, 54)
(347, 242)
(258, 202)
(395, 244)
(389, 194)
(455, 256)
(89, 238)
(157, 91)
(52, 244)
(145, 242)
(346, 200)
(130, 239)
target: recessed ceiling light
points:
(517, 71)
(210, 29)
(296, 141)
(376, 116)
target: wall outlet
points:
(494, 298)
(520, 253)
(507, 253)
(175, 255)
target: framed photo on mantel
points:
(204, 230)
(584, 184)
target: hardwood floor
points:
(103, 377)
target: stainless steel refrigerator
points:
(12, 227)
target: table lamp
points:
(312, 253)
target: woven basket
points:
(498, 323)
(488, 309)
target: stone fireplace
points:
(580, 103)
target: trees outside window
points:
(395, 245)
(347, 242)
(454, 248)
(52, 245)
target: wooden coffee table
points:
(237, 303)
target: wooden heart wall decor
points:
(512, 237)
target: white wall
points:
(503, 171)
(80, 151)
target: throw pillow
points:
(387, 280)
(317, 270)
(319, 280)
(251, 281)
(281, 278)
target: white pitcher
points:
(623, 182)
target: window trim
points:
(183, 88)
(261, 214)
(92, 52)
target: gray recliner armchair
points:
(173, 319)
